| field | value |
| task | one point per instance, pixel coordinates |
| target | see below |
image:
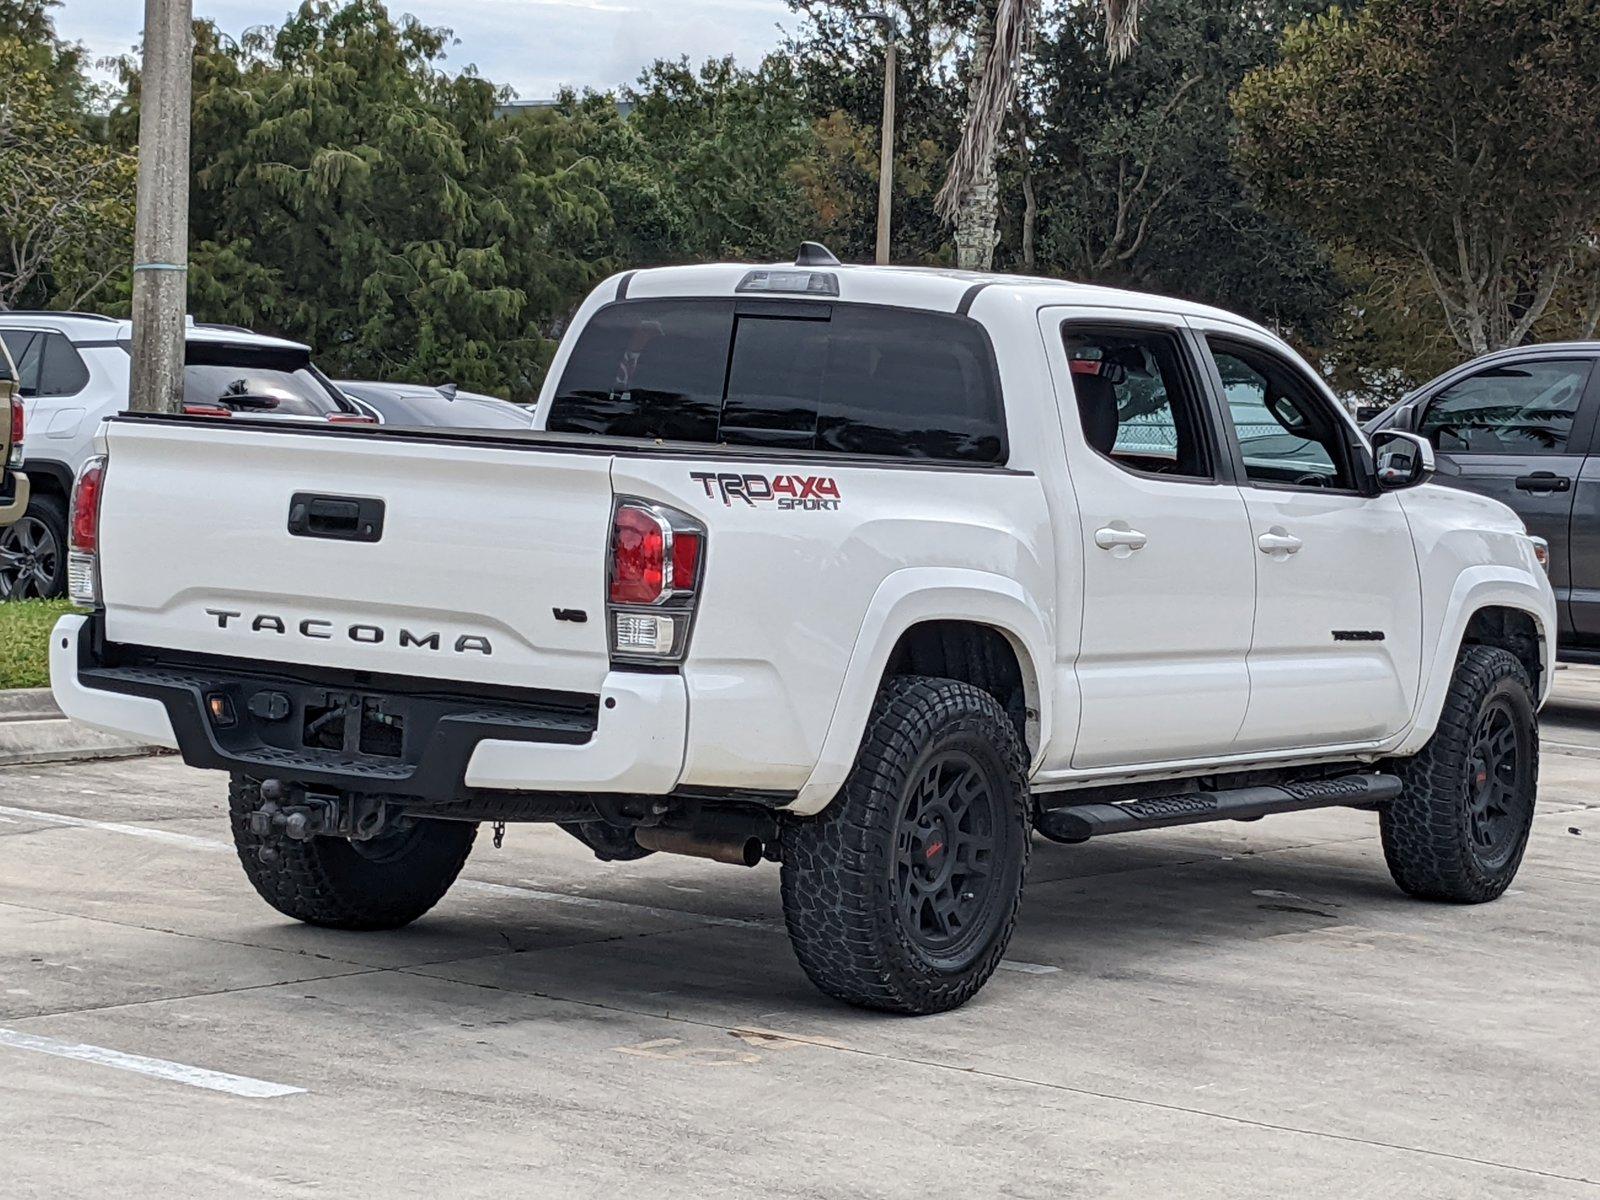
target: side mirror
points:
(1402, 459)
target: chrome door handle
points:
(1279, 543)
(1112, 538)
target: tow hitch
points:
(288, 811)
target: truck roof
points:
(935, 288)
(92, 327)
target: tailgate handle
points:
(342, 518)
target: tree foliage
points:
(1448, 139)
(1131, 164)
(66, 197)
(349, 193)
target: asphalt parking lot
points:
(1221, 1011)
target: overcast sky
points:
(536, 46)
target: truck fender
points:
(1485, 585)
(910, 597)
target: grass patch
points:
(25, 641)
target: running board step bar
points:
(1080, 822)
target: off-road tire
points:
(330, 882)
(840, 868)
(1427, 830)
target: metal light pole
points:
(886, 150)
(161, 224)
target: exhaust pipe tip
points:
(736, 851)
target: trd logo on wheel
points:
(803, 492)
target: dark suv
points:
(1519, 425)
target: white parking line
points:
(672, 914)
(1027, 968)
(156, 1068)
(501, 889)
(139, 831)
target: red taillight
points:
(206, 410)
(686, 559)
(84, 536)
(638, 556)
(18, 423)
(342, 418)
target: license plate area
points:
(352, 723)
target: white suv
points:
(73, 370)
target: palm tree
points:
(970, 197)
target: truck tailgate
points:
(482, 545)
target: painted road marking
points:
(140, 831)
(671, 914)
(156, 1068)
(1027, 968)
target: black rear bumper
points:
(349, 731)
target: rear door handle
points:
(1543, 481)
(1279, 543)
(1114, 539)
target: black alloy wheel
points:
(1498, 791)
(945, 881)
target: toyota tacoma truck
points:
(874, 573)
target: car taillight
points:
(18, 424)
(83, 534)
(206, 410)
(652, 581)
(343, 418)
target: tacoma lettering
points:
(322, 630)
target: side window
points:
(25, 347)
(61, 369)
(1518, 408)
(1136, 401)
(1286, 432)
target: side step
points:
(1080, 822)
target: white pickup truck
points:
(871, 572)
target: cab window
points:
(1288, 435)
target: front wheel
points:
(902, 895)
(1458, 830)
(383, 883)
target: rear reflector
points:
(341, 418)
(206, 410)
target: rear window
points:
(255, 380)
(789, 374)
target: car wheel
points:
(1458, 830)
(33, 552)
(903, 893)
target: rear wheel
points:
(33, 558)
(383, 883)
(902, 895)
(1459, 829)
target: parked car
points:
(73, 370)
(1520, 426)
(420, 405)
(841, 567)
(13, 483)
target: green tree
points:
(1130, 164)
(349, 193)
(1451, 142)
(66, 197)
(706, 163)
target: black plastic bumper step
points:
(1080, 822)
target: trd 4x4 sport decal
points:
(801, 492)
